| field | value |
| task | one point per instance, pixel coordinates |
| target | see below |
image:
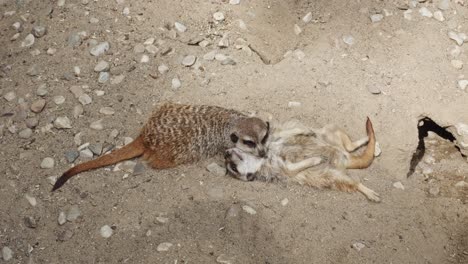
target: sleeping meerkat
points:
(176, 134)
(317, 158)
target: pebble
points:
(307, 18)
(176, 84)
(71, 155)
(457, 64)
(77, 71)
(462, 84)
(59, 99)
(398, 185)
(28, 41)
(39, 31)
(107, 111)
(51, 51)
(32, 201)
(73, 213)
(297, 29)
(60, 3)
(220, 57)
(152, 49)
(204, 43)
(117, 79)
(85, 99)
(376, 18)
(99, 49)
(373, 89)
(234, 2)
(348, 39)
(456, 37)
(62, 122)
(74, 40)
(444, 4)
(439, 16)
(30, 222)
(93, 20)
(126, 11)
(25, 133)
(106, 231)
(224, 42)
(232, 212)
(10, 96)
(17, 26)
(180, 27)
(149, 41)
(42, 90)
(224, 259)
(162, 219)
(65, 235)
(78, 111)
(32, 122)
(139, 48)
(62, 218)
(165, 246)
(294, 104)
(47, 163)
(86, 154)
(423, 11)
(358, 246)
(408, 14)
(77, 91)
(210, 55)
(218, 16)
(15, 37)
(144, 58)
(7, 253)
(378, 150)
(33, 71)
(434, 190)
(216, 169)
(189, 60)
(284, 202)
(101, 66)
(249, 209)
(97, 125)
(228, 61)
(103, 77)
(96, 149)
(163, 68)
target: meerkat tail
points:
(365, 159)
(132, 150)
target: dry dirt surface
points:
(66, 96)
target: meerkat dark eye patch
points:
(265, 138)
(233, 167)
(234, 138)
(249, 143)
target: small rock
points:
(378, 150)
(30, 222)
(73, 213)
(294, 104)
(85, 99)
(408, 14)
(210, 55)
(348, 39)
(220, 57)
(96, 149)
(462, 84)
(62, 122)
(65, 235)
(39, 31)
(10, 96)
(228, 61)
(74, 40)
(398, 185)
(149, 41)
(423, 11)
(224, 42)
(249, 209)
(176, 84)
(152, 49)
(139, 168)
(165, 246)
(42, 90)
(456, 37)
(439, 16)
(33, 71)
(51, 51)
(457, 64)
(117, 79)
(77, 91)
(204, 43)
(100, 49)
(297, 29)
(17, 26)
(47, 163)
(107, 111)
(139, 48)
(180, 27)
(28, 41)
(358, 246)
(97, 125)
(461, 184)
(224, 259)
(71, 155)
(60, 3)
(62, 218)
(103, 77)
(31, 200)
(58, 100)
(444, 5)
(25, 133)
(163, 68)
(32, 122)
(218, 16)
(189, 60)
(126, 11)
(376, 18)
(144, 58)
(15, 37)
(307, 18)
(299, 54)
(106, 231)
(78, 111)
(434, 190)
(162, 219)
(101, 66)
(216, 169)
(373, 89)
(7, 253)
(52, 180)
(284, 202)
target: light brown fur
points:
(317, 158)
(176, 134)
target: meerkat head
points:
(242, 165)
(250, 135)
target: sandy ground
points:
(199, 213)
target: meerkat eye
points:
(233, 167)
(234, 138)
(249, 143)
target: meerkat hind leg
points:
(343, 182)
(349, 145)
(369, 193)
(303, 164)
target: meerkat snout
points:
(251, 135)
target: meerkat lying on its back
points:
(176, 134)
(316, 158)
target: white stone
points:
(165, 246)
(358, 246)
(439, 16)
(85, 99)
(100, 48)
(101, 66)
(60, 3)
(423, 11)
(10, 96)
(377, 150)
(59, 99)
(28, 41)
(457, 64)
(284, 202)
(47, 163)
(7, 253)
(180, 27)
(220, 57)
(25, 133)
(144, 58)
(78, 111)
(455, 36)
(126, 11)
(149, 41)
(307, 18)
(106, 231)
(249, 209)
(163, 68)
(234, 2)
(462, 84)
(348, 39)
(294, 104)
(376, 18)
(189, 60)
(73, 213)
(62, 122)
(117, 79)
(299, 54)
(86, 154)
(176, 84)
(297, 29)
(443, 4)
(107, 111)
(76, 71)
(398, 185)
(31, 200)
(62, 218)
(152, 49)
(97, 125)
(218, 16)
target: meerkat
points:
(177, 134)
(317, 158)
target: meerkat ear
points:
(234, 138)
